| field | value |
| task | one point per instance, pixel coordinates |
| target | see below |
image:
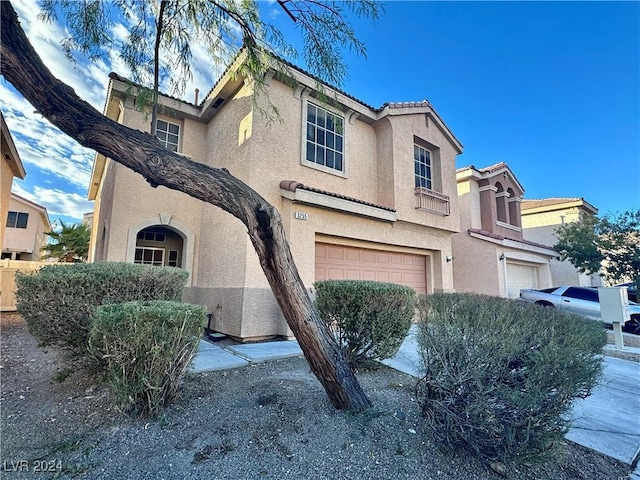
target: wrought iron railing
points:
(432, 201)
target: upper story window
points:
(325, 138)
(422, 167)
(17, 220)
(168, 134)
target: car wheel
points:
(542, 303)
(633, 325)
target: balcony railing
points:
(432, 201)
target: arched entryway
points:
(159, 246)
(162, 240)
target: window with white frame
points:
(168, 134)
(149, 256)
(325, 138)
(422, 167)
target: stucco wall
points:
(226, 274)
(540, 227)
(476, 266)
(5, 195)
(26, 240)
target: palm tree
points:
(70, 244)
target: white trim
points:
(515, 245)
(491, 188)
(508, 225)
(303, 150)
(340, 204)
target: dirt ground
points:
(269, 421)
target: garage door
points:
(337, 262)
(520, 276)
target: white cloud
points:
(57, 202)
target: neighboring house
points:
(364, 193)
(11, 167)
(26, 224)
(490, 254)
(541, 219)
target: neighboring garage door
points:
(337, 262)
(520, 276)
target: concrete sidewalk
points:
(608, 421)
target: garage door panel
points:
(384, 277)
(520, 276)
(342, 262)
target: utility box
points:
(614, 309)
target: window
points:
(168, 134)
(582, 294)
(17, 220)
(325, 138)
(422, 167)
(149, 256)
(151, 236)
(173, 260)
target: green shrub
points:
(501, 375)
(146, 348)
(369, 320)
(58, 300)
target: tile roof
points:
(492, 168)
(496, 236)
(545, 202)
(292, 186)
(423, 103)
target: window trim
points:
(303, 153)
(17, 221)
(430, 178)
(176, 261)
(166, 142)
(154, 249)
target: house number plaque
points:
(301, 215)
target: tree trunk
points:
(142, 153)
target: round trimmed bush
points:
(369, 320)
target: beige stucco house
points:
(540, 220)
(364, 193)
(490, 254)
(10, 167)
(26, 224)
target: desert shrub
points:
(57, 301)
(369, 320)
(146, 348)
(501, 375)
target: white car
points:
(580, 300)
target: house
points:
(26, 225)
(11, 168)
(540, 220)
(364, 193)
(490, 254)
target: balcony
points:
(431, 201)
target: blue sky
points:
(550, 88)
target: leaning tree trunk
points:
(142, 153)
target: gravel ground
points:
(269, 421)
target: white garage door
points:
(336, 262)
(520, 276)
